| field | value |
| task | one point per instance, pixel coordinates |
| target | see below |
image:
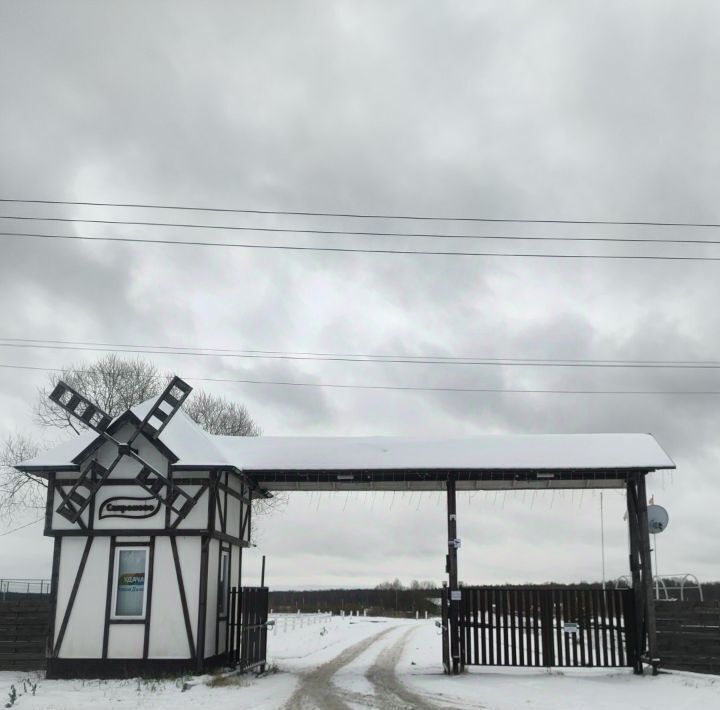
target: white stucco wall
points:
(168, 636)
(211, 610)
(126, 640)
(189, 554)
(84, 633)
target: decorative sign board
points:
(455, 595)
(571, 627)
(129, 507)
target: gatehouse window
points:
(130, 583)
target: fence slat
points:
(521, 626)
(526, 626)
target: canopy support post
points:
(641, 571)
(634, 538)
(647, 575)
(452, 571)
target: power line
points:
(361, 215)
(330, 357)
(356, 233)
(27, 525)
(368, 355)
(416, 357)
(408, 388)
(286, 247)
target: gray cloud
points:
(554, 109)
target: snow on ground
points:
(373, 663)
(538, 689)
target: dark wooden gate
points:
(247, 628)
(688, 635)
(544, 627)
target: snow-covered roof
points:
(187, 440)
(195, 448)
(489, 452)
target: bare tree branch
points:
(217, 415)
(19, 491)
(114, 384)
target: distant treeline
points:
(388, 602)
(391, 599)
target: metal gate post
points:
(452, 570)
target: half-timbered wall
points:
(184, 617)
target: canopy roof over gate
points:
(390, 463)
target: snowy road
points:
(383, 664)
(317, 691)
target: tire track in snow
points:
(316, 689)
(390, 693)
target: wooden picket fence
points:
(23, 633)
(247, 628)
(544, 627)
(688, 635)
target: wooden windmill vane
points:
(95, 474)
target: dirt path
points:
(316, 690)
(390, 693)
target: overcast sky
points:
(527, 110)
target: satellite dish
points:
(658, 519)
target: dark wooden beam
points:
(57, 547)
(202, 603)
(108, 599)
(452, 570)
(634, 558)
(647, 579)
(183, 597)
(71, 600)
(148, 601)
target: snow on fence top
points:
(558, 452)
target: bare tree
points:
(218, 415)
(19, 491)
(417, 584)
(114, 384)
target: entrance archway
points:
(144, 504)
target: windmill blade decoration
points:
(80, 407)
(79, 497)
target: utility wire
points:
(286, 247)
(254, 355)
(354, 233)
(418, 358)
(27, 525)
(360, 215)
(401, 388)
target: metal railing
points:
(664, 585)
(13, 587)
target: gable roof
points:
(182, 440)
(190, 447)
